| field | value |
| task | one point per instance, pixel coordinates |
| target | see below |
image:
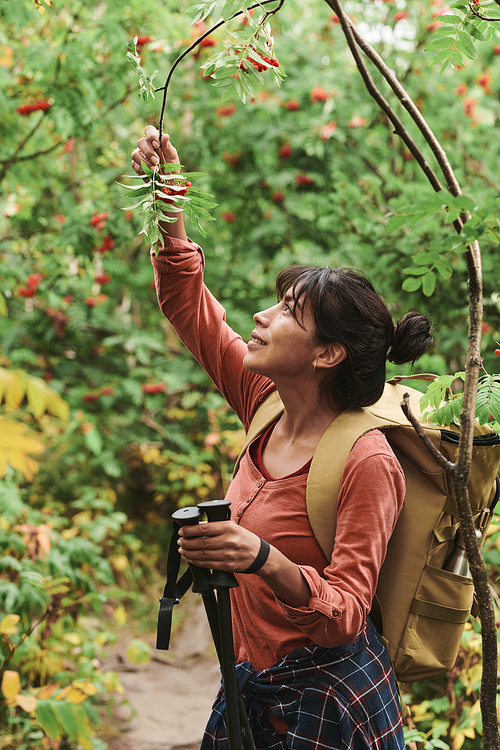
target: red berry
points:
(225, 110)
(33, 280)
(99, 220)
(285, 151)
(497, 352)
(154, 387)
(228, 217)
(278, 196)
(107, 244)
(292, 104)
(143, 40)
(319, 95)
(27, 109)
(102, 278)
(90, 397)
(107, 391)
(209, 41)
(303, 179)
(27, 292)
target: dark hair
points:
(347, 310)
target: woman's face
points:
(279, 346)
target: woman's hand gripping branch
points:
(148, 151)
(225, 545)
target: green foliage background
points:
(126, 458)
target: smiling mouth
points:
(256, 340)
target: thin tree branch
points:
(448, 466)
(12, 159)
(195, 44)
(480, 15)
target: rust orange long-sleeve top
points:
(370, 498)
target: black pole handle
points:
(219, 510)
(189, 517)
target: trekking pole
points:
(222, 581)
(202, 585)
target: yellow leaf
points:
(119, 562)
(23, 463)
(47, 691)
(72, 638)
(120, 615)
(62, 693)
(3, 304)
(36, 393)
(458, 740)
(469, 732)
(75, 696)
(70, 533)
(81, 518)
(86, 687)
(139, 652)
(27, 702)
(112, 683)
(14, 386)
(11, 684)
(8, 624)
(57, 406)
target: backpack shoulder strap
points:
(327, 467)
(266, 413)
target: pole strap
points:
(172, 593)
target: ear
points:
(332, 356)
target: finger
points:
(151, 157)
(137, 159)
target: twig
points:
(194, 45)
(34, 155)
(10, 161)
(448, 466)
(480, 15)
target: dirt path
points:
(171, 697)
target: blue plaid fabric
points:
(342, 698)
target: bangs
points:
(305, 284)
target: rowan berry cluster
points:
(261, 66)
(98, 221)
(32, 283)
(107, 244)
(27, 109)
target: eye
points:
(287, 308)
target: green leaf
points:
(94, 442)
(412, 284)
(441, 43)
(465, 45)
(413, 271)
(45, 714)
(395, 222)
(444, 55)
(488, 399)
(429, 283)
(450, 19)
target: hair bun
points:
(411, 337)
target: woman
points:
(312, 667)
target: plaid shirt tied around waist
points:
(342, 698)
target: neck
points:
(304, 414)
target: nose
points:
(262, 318)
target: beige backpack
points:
(419, 608)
